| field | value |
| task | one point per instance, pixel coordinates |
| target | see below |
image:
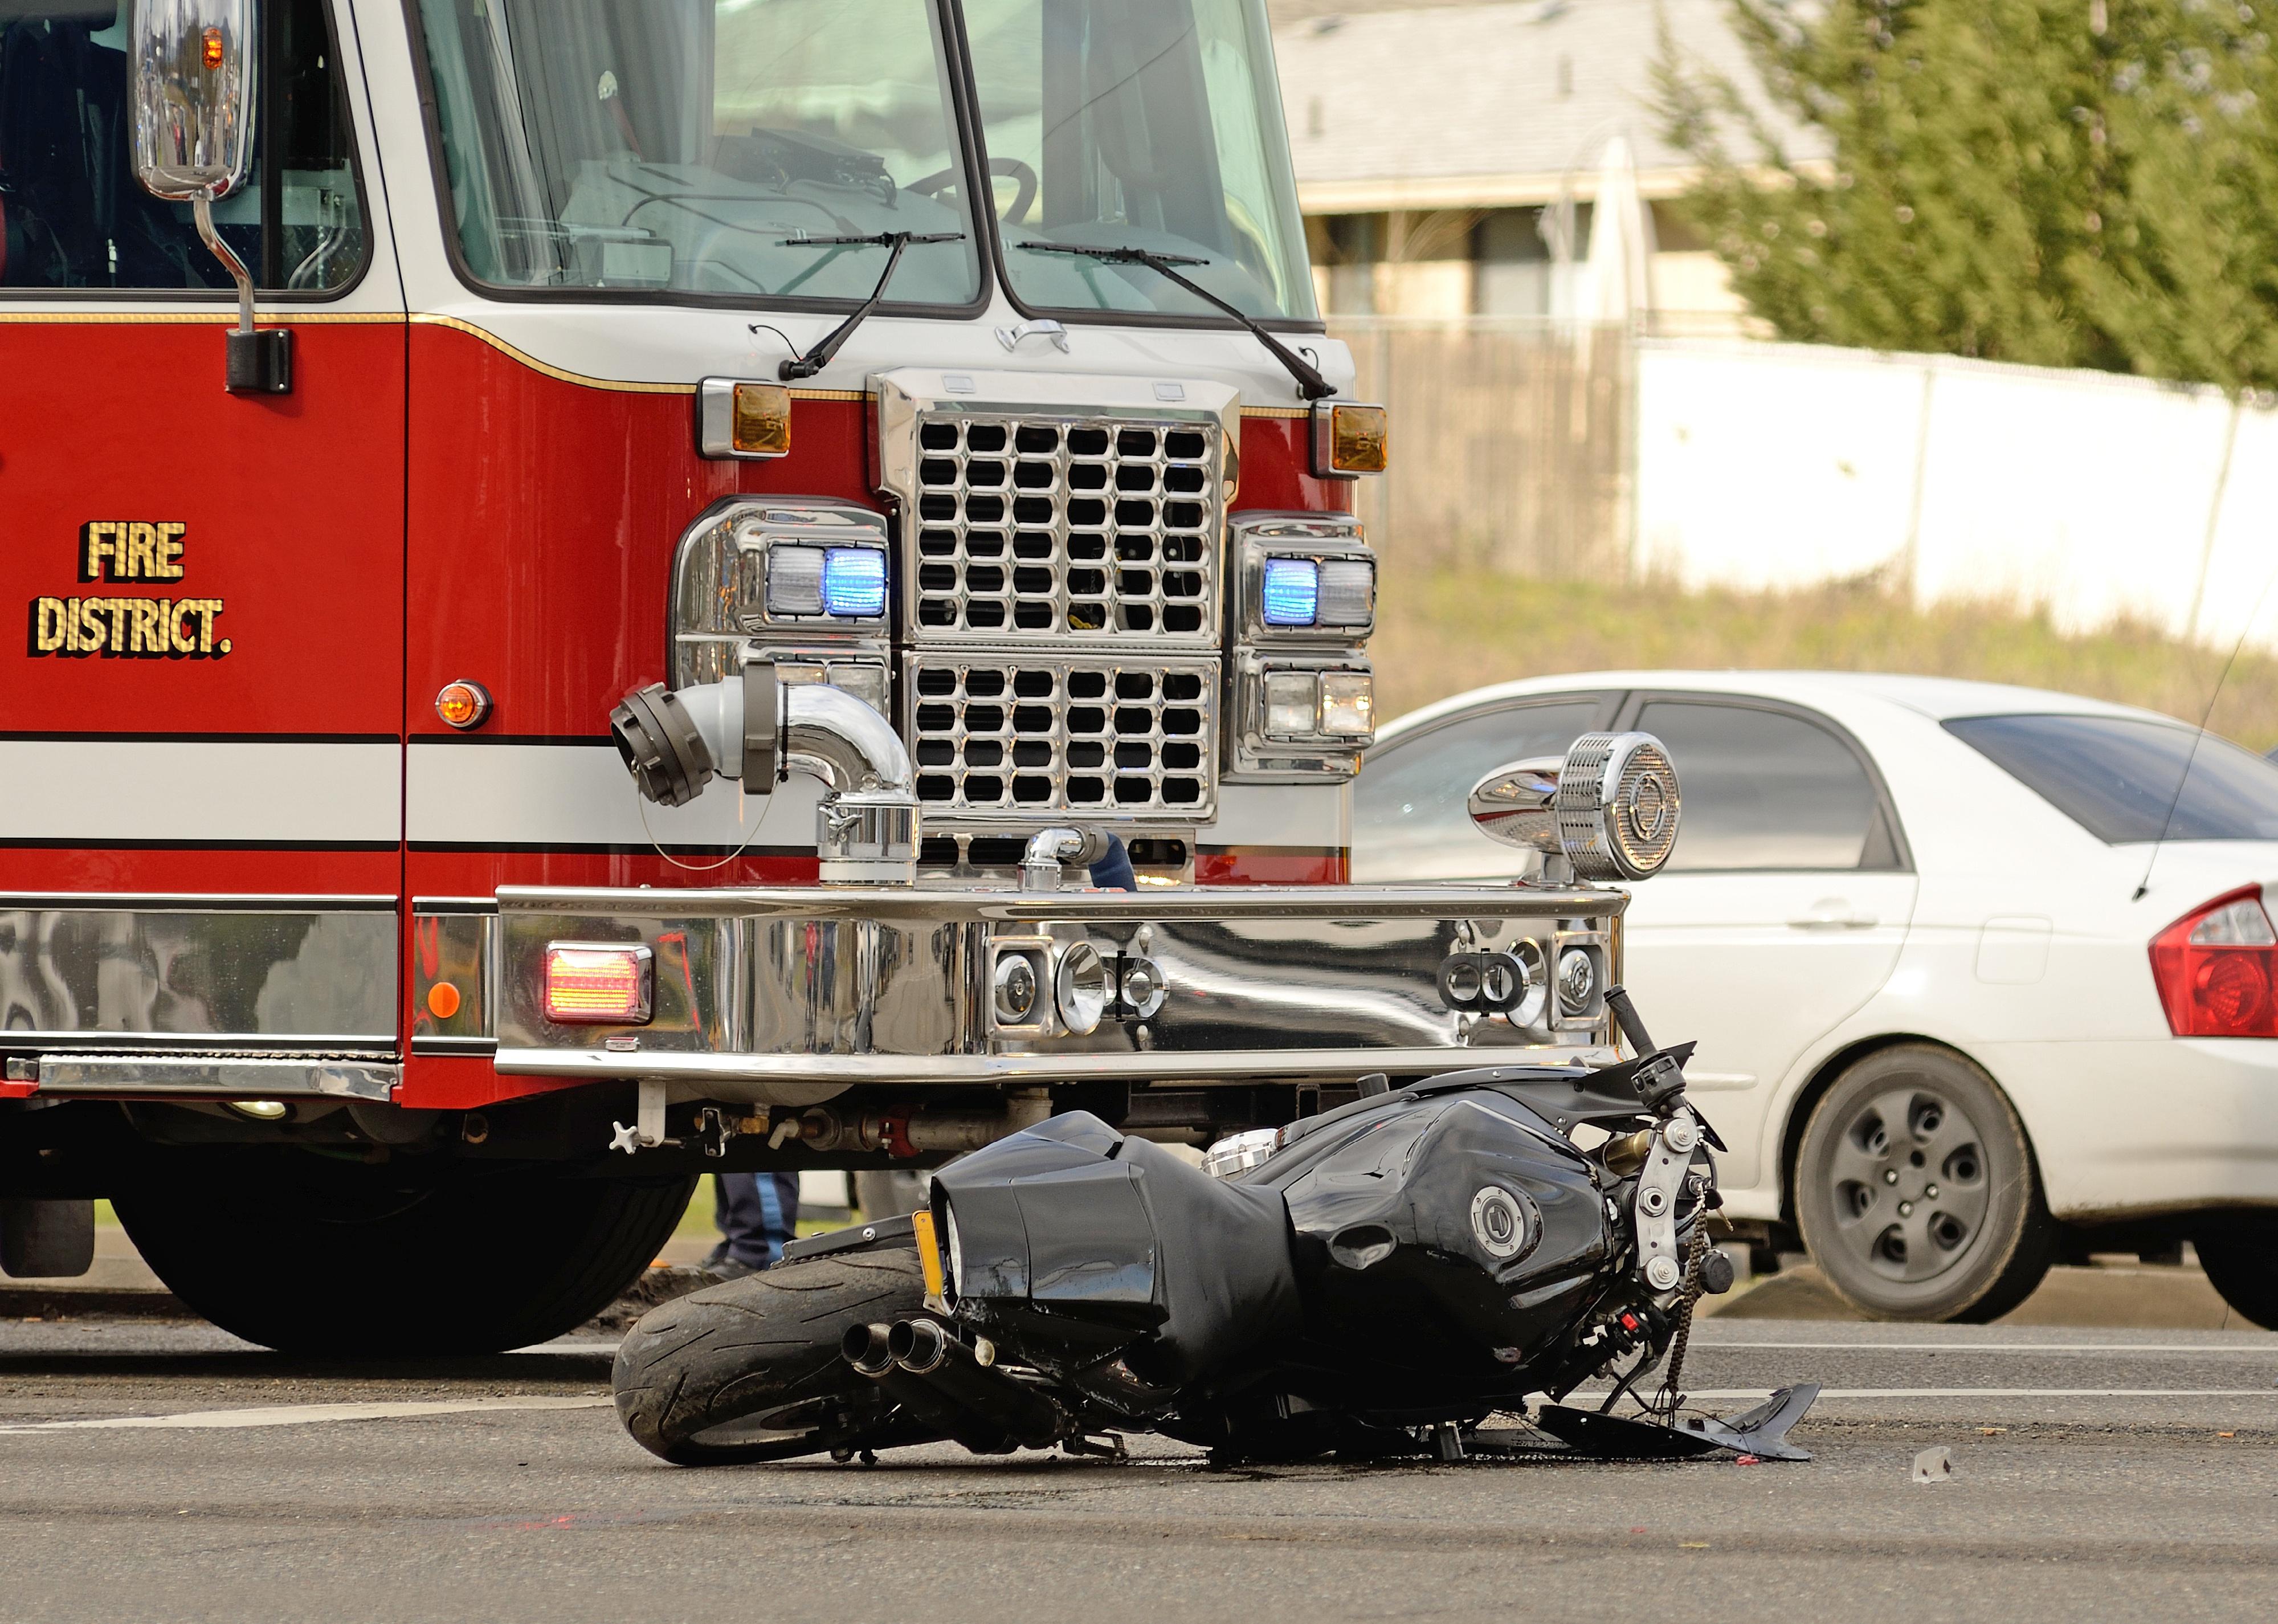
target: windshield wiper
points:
(816, 359)
(1311, 385)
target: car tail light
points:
(598, 982)
(2217, 969)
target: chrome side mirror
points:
(1608, 811)
(195, 67)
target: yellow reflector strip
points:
(929, 1254)
(761, 423)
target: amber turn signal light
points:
(598, 982)
(759, 425)
(463, 704)
(210, 50)
(1350, 440)
(443, 1000)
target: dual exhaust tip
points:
(918, 1346)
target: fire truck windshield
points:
(1145, 124)
(694, 147)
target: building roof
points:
(1415, 106)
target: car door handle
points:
(1833, 914)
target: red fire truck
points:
(594, 575)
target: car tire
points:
(309, 1255)
(752, 1370)
(2235, 1249)
(1916, 1191)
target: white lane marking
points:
(2264, 1349)
(2008, 1392)
(302, 1414)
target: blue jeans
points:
(757, 1213)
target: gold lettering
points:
(208, 608)
(120, 613)
(183, 641)
(47, 625)
(141, 552)
(143, 635)
(169, 553)
(98, 545)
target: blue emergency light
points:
(1292, 596)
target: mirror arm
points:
(254, 361)
(201, 208)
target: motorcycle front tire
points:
(751, 1370)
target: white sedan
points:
(1959, 1004)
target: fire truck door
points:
(200, 731)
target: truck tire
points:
(1916, 1192)
(751, 1370)
(308, 1255)
(2236, 1249)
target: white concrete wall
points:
(1779, 465)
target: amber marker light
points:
(210, 50)
(760, 422)
(598, 983)
(442, 1000)
(1360, 439)
(463, 704)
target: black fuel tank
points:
(1457, 1227)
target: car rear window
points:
(2118, 777)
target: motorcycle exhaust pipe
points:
(923, 1350)
(865, 1347)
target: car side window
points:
(1410, 818)
(1764, 789)
(73, 214)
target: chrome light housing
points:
(1612, 807)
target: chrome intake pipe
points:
(756, 728)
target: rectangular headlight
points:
(1347, 704)
(1293, 704)
(1348, 592)
(795, 580)
(854, 582)
(599, 983)
(1291, 596)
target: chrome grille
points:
(1030, 526)
(1021, 737)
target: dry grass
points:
(1444, 630)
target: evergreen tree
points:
(2061, 182)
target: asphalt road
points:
(163, 1472)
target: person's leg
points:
(777, 1196)
(747, 1241)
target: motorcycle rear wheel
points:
(751, 1371)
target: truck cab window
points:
(73, 216)
(727, 147)
(1147, 123)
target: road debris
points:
(1934, 1465)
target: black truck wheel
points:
(751, 1370)
(2236, 1250)
(1916, 1192)
(310, 1255)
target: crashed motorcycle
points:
(1430, 1272)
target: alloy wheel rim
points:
(1908, 1184)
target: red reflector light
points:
(2217, 969)
(598, 982)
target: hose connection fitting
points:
(757, 729)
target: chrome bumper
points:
(784, 997)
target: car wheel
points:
(2236, 1249)
(1916, 1193)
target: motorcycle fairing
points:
(1074, 1230)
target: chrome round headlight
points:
(1618, 806)
(1080, 988)
(1578, 982)
(1015, 989)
